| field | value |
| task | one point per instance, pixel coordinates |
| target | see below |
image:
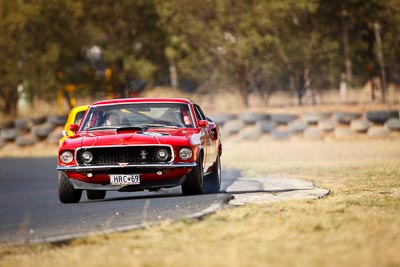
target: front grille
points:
(125, 154)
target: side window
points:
(79, 116)
(199, 113)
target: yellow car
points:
(74, 117)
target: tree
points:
(11, 56)
(130, 38)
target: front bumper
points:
(128, 188)
(97, 177)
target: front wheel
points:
(213, 180)
(193, 184)
(66, 192)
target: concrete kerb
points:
(264, 190)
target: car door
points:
(209, 138)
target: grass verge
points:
(356, 225)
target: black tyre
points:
(266, 126)
(54, 136)
(233, 127)
(212, 183)
(9, 134)
(57, 120)
(193, 184)
(6, 123)
(21, 124)
(42, 131)
(38, 120)
(66, 192)
(253, 117)
(26, 140)
(96, 194)
(381, 116)
(283, 118)
(345, 117)
(221, 119)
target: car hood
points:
(129, 137)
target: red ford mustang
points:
(137, 144)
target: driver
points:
(112, 118)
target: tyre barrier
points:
(246, 126)
(27, 132)
(319, 125)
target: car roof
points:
(141, 100)
(80, 108)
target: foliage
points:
(248, 46)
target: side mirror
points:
(203, 123)
(74, 128)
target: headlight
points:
(67, 157)
(185, 153)
(87, 157)
(162, 154)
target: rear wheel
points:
(193, 184)
(96, 194)
(213, 180)
(66, 192)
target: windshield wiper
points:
(155, 125)
(97, 128)
(119, 128)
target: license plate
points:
(124, 179)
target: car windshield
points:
(144, 115)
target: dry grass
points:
(357, 225)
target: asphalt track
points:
(31, 213)
(30, 210)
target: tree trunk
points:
(307, 84)
(244, 93)
(297, 91)
(8, 104)
(173, 76)
(346, 50)
(381, 61)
